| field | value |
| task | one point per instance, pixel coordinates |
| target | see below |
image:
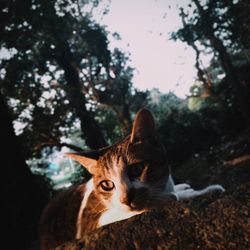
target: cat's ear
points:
(87, 162)
(143, 126)
(88, 159)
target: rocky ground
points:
(214, 221)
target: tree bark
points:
(90, 128)
(92, 132)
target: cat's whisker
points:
(101, 211)
(100, 202)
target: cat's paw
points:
(185, 194)
(215, 187)
(181, 187)
(191, 193)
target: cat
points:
(128, 178)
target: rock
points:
(210, 222)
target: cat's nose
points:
(127, 198)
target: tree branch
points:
(57, 144)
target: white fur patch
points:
(181, 187)
(116, 214)
(116, 210)
(89, 189)
(170, 185)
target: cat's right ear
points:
(86, 162)
(88, 159)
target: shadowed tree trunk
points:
(202, 76)
(89, 126)
(21, 202)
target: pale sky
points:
(144, 26)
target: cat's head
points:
(130, 173)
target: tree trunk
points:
(92, 132)
(90, 128)
(21, 202)
(123, 117)
(127, 117)
(239, 97)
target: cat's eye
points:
(107, 185)
(136, 170)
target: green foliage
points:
(162, 105)
(79, 175)
(110, 124)
(197, 103)
(184, 132)
(187, 127)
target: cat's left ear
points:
(143, 126)
(88, 159)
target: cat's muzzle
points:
(139, 198)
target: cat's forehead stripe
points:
(130, 153)
(115, 153)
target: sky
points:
(145, 27)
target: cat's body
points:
(127, 179)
